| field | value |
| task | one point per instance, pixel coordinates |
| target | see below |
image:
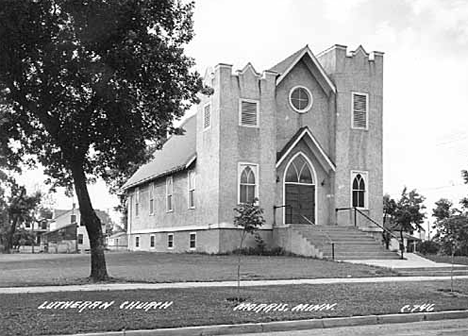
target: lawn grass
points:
(458, 260)
(44, 269)
(19, 313)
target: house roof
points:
(177, 154)
(285, 66)
(59, 212)
(318, 150)
(118, 234)
(103, 216)
(60, 228)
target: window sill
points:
(360, 128)
(249, 126)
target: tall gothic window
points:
(359, 190)
(248, 183)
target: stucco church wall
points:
(357, 149)
(180, 216)
(240, 144)
(207, 241)
(208, 150)
(289, 121)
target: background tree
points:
(86, 85)
(16, 208)
(249, 217)
(389, 207)
(452, 228)
(453, 236)
(443, 209)
(409, 213)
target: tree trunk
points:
(10, 234)
(92, 223)
(451, 270)
(402, 244)
(239, 265)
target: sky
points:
(425, 74)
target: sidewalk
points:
(246, 283)
(412, 261)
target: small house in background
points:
(410, 239)
(67, 234)
(61, 240)
(117, 241)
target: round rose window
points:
(300, 99)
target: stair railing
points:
(330, 241)
(358, 211)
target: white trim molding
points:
(190, 241)
(365, 176)
(307, 51)
(353, 93)
(314, 173)
(191, 176)
(311, 99)
(257, 106)
(204, 127)
(240, 167)
(170, 240)
(306, 131)
(169, 183)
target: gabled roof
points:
(285, 66)
(177, 154)
(316, 148)
(60, 228)
(118, 234)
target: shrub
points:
(428, 247)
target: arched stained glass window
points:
(247, 184)
(359, 191)
(299, 171)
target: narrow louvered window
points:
(249, 113)
(207, 116)
(360, 110)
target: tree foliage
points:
(452, 228)
(405, 214)
(409, 213)
(442, 210)
(85, 85)
(249, 217)
(16, 208)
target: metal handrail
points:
(380, 226)
(356, 210)
(332, 243)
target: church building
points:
(304, 137)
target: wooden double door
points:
(300, 203)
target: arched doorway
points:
(299, 191)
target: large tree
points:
(408, 214)
(85, 85)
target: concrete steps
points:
(349, 242)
